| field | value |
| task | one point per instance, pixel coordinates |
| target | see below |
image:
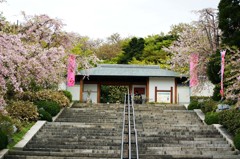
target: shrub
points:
(22, 110)
(198, 98)
(208, 106)
(194, 105)
(6, 124)
(230, 120)
(49, 95)
(230, 102)
(3, 140)
(236, 141)
(44, 115)
(211, 118)
(55, 96)
(51, 107)
(25, 96)
(67, 94)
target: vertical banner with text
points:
(222, 71)
(71, 70)
(193, 69)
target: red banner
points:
(193, 69)
(71, 70)
(222, 71)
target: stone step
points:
(54, 147)
(188, 152)
(53, 157)
(183, 141)
(80, 141)
(189, 156)
(74, 153)
(93, 115)
(182, 148)
(88, 120)
(195, 145)
(177, 128)
(77, 134)
(174, 132)
(89, 127)
(71, 144)
(179, 138)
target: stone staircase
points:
(166, 132)
(79, 132)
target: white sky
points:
(102, 18)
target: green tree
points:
(154, 53)
(229, 21)
(133, 49)
(213, 68)
(84, 49)
(110, 49)
(176, 30)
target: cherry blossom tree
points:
(232, 74)
(201, 37)
(33, 54)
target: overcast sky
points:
(101, 18)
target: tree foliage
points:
(153, 51)
(232, 74)
(25, 59)
(113, 94)
(229, 23)
(147, 51)
(200, 37)
(84, 48)
(111, 48)
(214, 67)
(133, 49)
(33, 54)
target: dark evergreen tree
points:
(213, 68)
(133, 49)
(229, 21)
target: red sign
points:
(139, 90)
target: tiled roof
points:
(129, 70)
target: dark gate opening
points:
(113, 93)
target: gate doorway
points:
(113, 93)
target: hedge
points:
(3, 140)
(230, 119)
(236, 141)
(211, 118)
(44, 115)
(51, 107)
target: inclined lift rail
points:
(123, 128)
(127, 103)
(134, 126)
(129, 130)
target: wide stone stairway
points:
(163, 132)
(79, 132)
(166, 132)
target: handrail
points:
(129, 129)
(124, 111)
(135, 130)
(128, 103)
